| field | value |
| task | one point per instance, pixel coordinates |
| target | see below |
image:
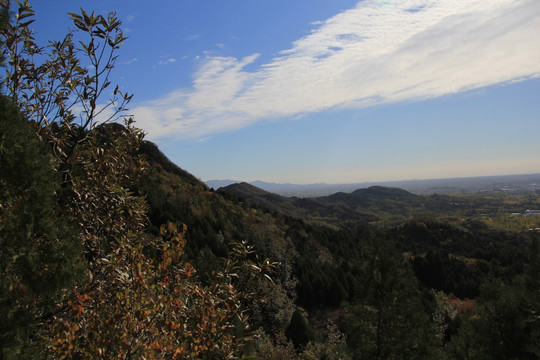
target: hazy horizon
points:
(374, 181)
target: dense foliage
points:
(109, 250)
(40, 255)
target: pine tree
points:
(389, 320)
(299, 331)
(39, 254)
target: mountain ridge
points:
(360, 205)
(517, 182)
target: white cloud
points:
(193, 37)
(167, 61)
(378, 52)
(130, 61)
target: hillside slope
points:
(324, 269)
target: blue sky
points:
(334, 91)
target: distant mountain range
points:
(516, 183)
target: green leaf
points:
(26, 24)
(24, 15)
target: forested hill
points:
(361, 205)
(325, 272)
(378, 204)
(157, 159)
(450, 250)
(308, 209)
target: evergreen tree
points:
(39, 254)
(299, 331)
(389, 320)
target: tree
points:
(68, 84)
(59, 88)
(39, 253)
(389, 319)
(299, 331)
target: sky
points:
(338, 91)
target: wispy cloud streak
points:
(378, 52)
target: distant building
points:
(528, 213)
